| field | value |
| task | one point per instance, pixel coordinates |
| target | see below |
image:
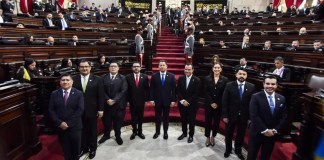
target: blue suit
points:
(162, 97)
(262, 119)
(70, 113)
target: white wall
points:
(103, 3)
(257, 5)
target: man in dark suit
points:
(163, 96)
(48, 21)
(269, 8)
(92, 88)
(243, 64)
(65, 108)
(280, 70)
(36, 6)
(268, 115)
(100, 15)
(188, 91)
(246, 43)
(6, 6)
(235, 111)
(138, 93)
(70, 16)
(318, 46)
(115, 90)
(62, 23)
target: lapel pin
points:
(90, 80)
(72, 92)
(278, 99)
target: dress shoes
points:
(226, 154)
(92, 154)
(119, 141)
(182, 137)
(207, 143)
(156, 135)
(165, 136)
(141, 135)
(82, 153)
(190, 139)
(240, 156)
(132, 136)
(103, 139)
(212, 141)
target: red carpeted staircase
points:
(170, 48)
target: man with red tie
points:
(138, 93)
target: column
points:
(153, 6)
(192, 5)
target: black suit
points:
(116, 90)
(190, 94)
(136, 98)
(237, 112)
(6, 7)
(93, 102)
(70, 113)
(46, 22)
(262, 119)
(60, 25)
(213, 94)
(285, 75)
(162, 97)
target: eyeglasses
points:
(136, 66)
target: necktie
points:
(84, 84)
(112, 78)
(162, 80)
(241, 91)
(272, 107)
(187, 82)
(66, 96)
(136, 80)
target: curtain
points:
(23, 6)
(298, 3)
(289, 3)
(275, 3)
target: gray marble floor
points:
(160, 149)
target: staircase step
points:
(169, 54)
(170, 65)
(169, 46)
(177, 50)
(171, 43)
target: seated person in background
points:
(318, 46)
(222, 44)
(267, 46)
(20, 25)
(215, 59)
(28, 71)
(280, 70)
(74, 41)
(66, 63)
(123, 40)
(246, 42)
(103, 40)
(4, 18)
(280, 32)
(247, 32)
(70, 16)
(27, 40)
(84, 16)
(93, 7)
(48, 21)
(49, 7)
(243, 64)
(202, 42)
(100, 15)
(36, 7)
(62, 23)
(303, 31)
(221, 23)
(305, 10)
(294, 46)
(50, 41)
(101, 63)
(263, 33)
(84, 7)
(235, 11)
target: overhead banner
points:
(210, 4)
(137, 5)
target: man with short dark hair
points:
(283, 72)
(294, 46)
(318, 46)
(267, 46)
(62, 23)
(268, 116)
(235, 111)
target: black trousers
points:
(240, 132)
(113, 118)
(137, 113)
(89, 133)
(188, 116)
(159, 109)
(260, 141)
(212, 118)
(70, 140)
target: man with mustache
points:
(235, 110)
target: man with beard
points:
(268, 115)
(235, 113)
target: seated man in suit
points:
(280, 70)
(100, 15)
(303, 31)
(50, 41)
(74, 41)
(318, 46)
(294, 46)
(70, 16)
(36, 7)
(48, 21)
(62, 23)
(6, 6)
(49, 7)
(246, 42)
(280, 32)
(84, 17)
(4, 18)
(267, 46)
(243, 64)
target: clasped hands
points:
(110, 102)
(171, 105)
(64, 126)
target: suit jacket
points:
(6, 7)
(69, 113)
(191, 93)
(59, 23)
(286, 74)
(232, 103)
(214, 92)
(163, 95)
(101, 17)
(116, 90)
(247, 46)
(46, 22)
(189, 45)
(261, 116)
(137, 95)
(93, 95)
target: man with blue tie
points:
(65, 108)
(235, 111)
(268, 116)
(62, 23)
(163, 96)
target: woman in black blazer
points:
(214, 87)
